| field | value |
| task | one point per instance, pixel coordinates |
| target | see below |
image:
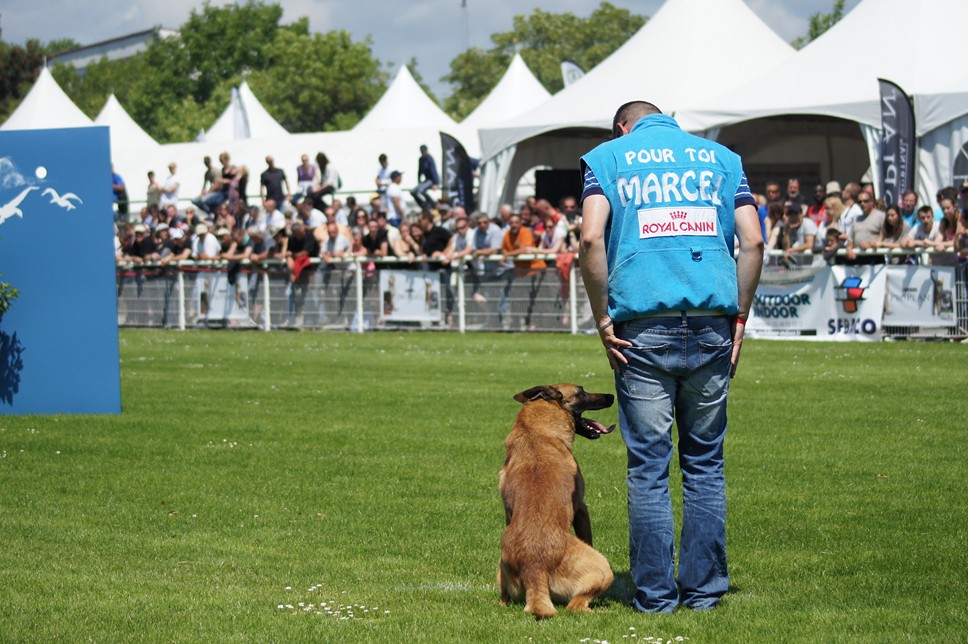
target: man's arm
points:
(594, 273)
(805, 246)
(749, 262)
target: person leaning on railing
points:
(961, 237)
(893, 233)
(948, 229)
(866, 230)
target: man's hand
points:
(613, 345)
(739, 329)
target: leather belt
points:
(688, 313)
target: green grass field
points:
(329, 487)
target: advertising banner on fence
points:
(821, 303)
(218, 300)
(410, 296)
(858, 303)
(920, 296)
(789, 304)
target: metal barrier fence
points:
(348, 295)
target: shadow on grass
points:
(622, 590)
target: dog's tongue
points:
(600, 428)
(593, 429)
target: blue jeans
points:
(210, 200)
(421, 194)
(678, 370)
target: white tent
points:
(125, 133)
(689, 49)
(517, 92)
(405, 106)
(244, 118)
(839, 72)
(941, 117)
(46, 107)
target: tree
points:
(319, 81)
(180, 84)
(819, 23)
(19, 67)
(544, 39)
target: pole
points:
(266, 307)
(359, 294)
(461, 320)
(573, 297)
(181, 299)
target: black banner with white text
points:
(897, 142)
(458, 173)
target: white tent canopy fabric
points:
(517, 92)
(839, 70)
(125, 132)
(931, 73)
(405, 106)
(45, 107)
(406, 113)
(688, 50)
(936, 106)
(244, 118)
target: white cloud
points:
(10, 177)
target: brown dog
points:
(543, 492)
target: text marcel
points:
(669, 186)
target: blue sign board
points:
(59, 339)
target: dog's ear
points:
(543, 392)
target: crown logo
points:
(678, 214)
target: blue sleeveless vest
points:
(669, 239)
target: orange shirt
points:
(524, 239)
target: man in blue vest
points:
(661, 210)
(428, 178)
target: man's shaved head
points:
(630, 113)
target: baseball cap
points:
(222, 231)
(201, 229)
(160, 227)
(140, 228)
(395, 174)
(176, 233)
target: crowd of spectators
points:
(810, 229)
(313, 221)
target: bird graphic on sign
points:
(64, 201)
(12, 208)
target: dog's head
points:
(574, 400)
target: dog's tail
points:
(537, 595)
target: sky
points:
(432, 31)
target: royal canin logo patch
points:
(674, 222)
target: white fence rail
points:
(357, 294)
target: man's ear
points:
(544, 392)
